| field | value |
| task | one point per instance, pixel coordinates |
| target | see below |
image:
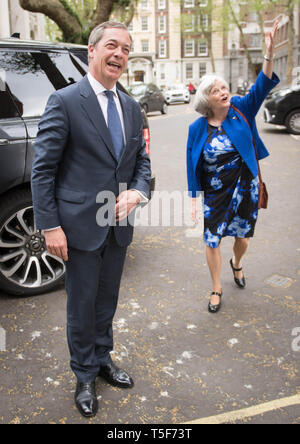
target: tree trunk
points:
(103, 12)
(244, 43)
(63, 16)
(291, 38)
(66, 18)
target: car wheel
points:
(164, 109)
(292, 122)
(26, 267)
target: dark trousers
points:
(92, 283)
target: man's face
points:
(108, 59)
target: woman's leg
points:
(240, 247)
(214, 261)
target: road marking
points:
(249, 412)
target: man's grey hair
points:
(201, 103)
(98, 32)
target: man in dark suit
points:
(90, 141)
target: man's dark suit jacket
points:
(75, 160)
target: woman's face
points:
(219, 98)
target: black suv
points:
(149, 97)
(29, 72)
(282, 107)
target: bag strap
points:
(254, 144)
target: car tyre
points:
(164, 108)
(292, 122)
(26, 267)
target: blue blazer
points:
(237, 130)
(75, 160)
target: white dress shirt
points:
(99, 90)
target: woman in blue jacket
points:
(221, 161)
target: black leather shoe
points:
(86, 399)
(215, 308)
(115, 376)
(241, 283)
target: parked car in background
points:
(177, 93)
(29, 73)
(244, 87)
(149, 97)
(282, 107)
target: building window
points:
(162, 24)
(189, 48)
(255, 41)
(161, 4)
(145, 45)
(130, 26)
(202, 69)
(144, 21)
(203, 22)
(162, 48)
(162, 72)
(203, 3)
(189, 3)
(144, 4)
(189, 71)
(188, 22)
(203, 48)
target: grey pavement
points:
(187, 364)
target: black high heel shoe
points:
(215, 308)
(241, 283)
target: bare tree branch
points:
(244, 43)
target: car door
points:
(152, 97)
(159, 99)
(13, 137)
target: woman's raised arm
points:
(270, 46)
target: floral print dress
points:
(230, 191)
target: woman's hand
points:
(270, 40)
(270, 47)
(195, 210)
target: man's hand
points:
(126, 202)
(56, 242)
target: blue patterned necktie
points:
(114, 124)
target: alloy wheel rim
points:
(295, 122)
(24, 259)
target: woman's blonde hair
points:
(201, 103)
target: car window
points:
(32, 76)
(137, 90)
(7, 106)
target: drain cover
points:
(280, 281)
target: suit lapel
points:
(92, 108)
